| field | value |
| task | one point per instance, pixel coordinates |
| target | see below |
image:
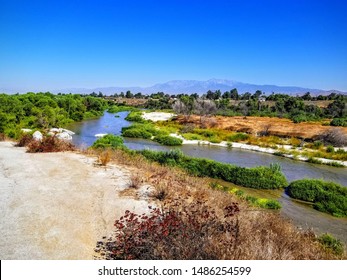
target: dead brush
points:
(2, 137)
(135, 181)
(160, 193)
(104, 157)
(24, 140)
(49, 144)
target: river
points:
(302, 214)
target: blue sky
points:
(48, 45)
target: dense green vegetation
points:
(168, 140)
(326, 197)
(258, 177)
(44, 110)
(231, 103)
(120, 108)
(109, 141)
(331, 243)
(147, 130)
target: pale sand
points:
(157, 116)
(57, 205)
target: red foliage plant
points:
(193, 231)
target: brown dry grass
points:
(104, 157)
(275, 126)
(262, 234)
(2, 137)
(49, 144)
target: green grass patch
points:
(121, 108)
(168, 140)
(326, 196)
(331, 243)
(109, 141)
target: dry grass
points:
(104, 157)
(49, 144)
(2, 137)
(257, 234)
(135, 181)
(276, 126)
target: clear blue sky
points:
(48, 45)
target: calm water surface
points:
(302, 214)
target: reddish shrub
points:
(183, 232)
(49, 144)
(24, 140)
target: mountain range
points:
(200, 87)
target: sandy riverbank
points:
(256, 149)
(57, 205)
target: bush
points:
(257, 177)
(109, 141)
(168, 140)
(338, 122)
(135, 116)
(326, 197)
(334, 136)
(331, 243)
(2, 137)
(24, 140)
(238, 137)
(330, 149)
(49, 144)
(136, 133)
(188, 233)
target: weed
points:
(135, 181)
(49, 144)
(331, 243)
(105, 157)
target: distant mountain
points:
(200, 87)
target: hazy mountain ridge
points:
(194, 86)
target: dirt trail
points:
(57, 205)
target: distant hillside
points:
(193, 86)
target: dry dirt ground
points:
(58, 205)
(274, 126)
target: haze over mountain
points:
(193, 86)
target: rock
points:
(64, 136)
(100, 135)
(67, 131)
(37, 135)
(55, 130)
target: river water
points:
(302, 214)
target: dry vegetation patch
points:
(193, 221)
(274, 126)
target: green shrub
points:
(314, 160)
(168, 140)
(135, 116)
(136, 133)
(330, 149)
(238, 137)
(326, 196)
(331, 243)
(317, 144)
(299, 118)
(338, 122)
(257, 177)
(109, 141)
(117, 109)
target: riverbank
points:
(57, 205)
(288, 151)
(255, 148)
